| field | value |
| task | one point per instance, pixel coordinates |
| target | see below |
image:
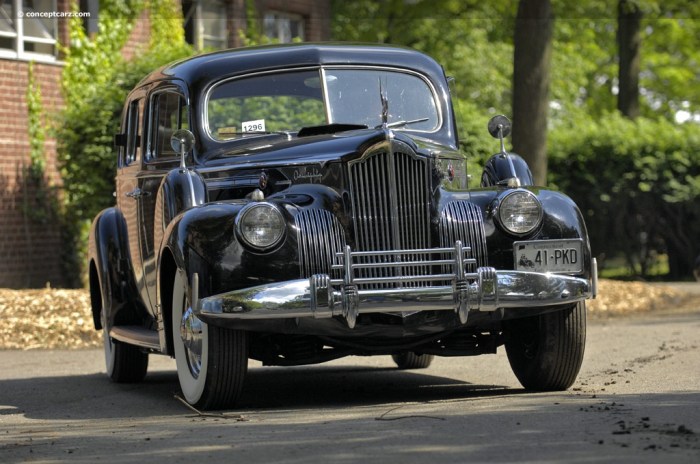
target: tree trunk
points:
(629, 19)
(531, 60)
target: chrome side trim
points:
(136, 335)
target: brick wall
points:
(139, 37)
(29, 248)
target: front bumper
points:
(322, 297)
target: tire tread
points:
(228, 365)
(412, 360)
(130, 363)
(561, 339)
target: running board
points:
(136, 335)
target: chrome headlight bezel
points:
(251, 223)
(519, 212)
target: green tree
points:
(471, 39)
(531, 62)
(629, 22)
(95, 82)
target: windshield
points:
(289, 100)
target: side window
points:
(169, 113)
(134, 125)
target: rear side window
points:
(132, 128)
(169, 113)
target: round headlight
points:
(261, 225)
(520, 212)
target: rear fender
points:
(108, 255)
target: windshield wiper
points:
(404, 123)
(329, 129)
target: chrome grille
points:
(391, 206)
(320, 238)
(462, 220)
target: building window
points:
(25, 35)
(205, 24)
(283, 26)
(90, 22)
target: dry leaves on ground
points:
(616, 297)
(53, 319)
(46, 318)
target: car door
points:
(127, 183)
(167, 112)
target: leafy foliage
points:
(37, 133)
(638, 185)
(95, 82)
(39, 203)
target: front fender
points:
(504, 166)
(203, 240)
(179, 191)
(561, 219)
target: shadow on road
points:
(95, 397)
(313, 387)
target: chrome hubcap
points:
(191, 335)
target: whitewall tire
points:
(211, 361)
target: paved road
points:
(637, 399)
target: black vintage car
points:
(297, 204)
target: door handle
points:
(137, 193)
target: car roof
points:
(199, 71)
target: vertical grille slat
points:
(395, 215)
(320, 237)
(462, 220)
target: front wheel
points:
(211, 361)
(546, 351)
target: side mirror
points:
(499, 126)
(182, 142)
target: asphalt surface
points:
(637, 399)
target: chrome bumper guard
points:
(322, 297)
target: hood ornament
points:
(385, 105)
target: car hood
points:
(283, 150)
